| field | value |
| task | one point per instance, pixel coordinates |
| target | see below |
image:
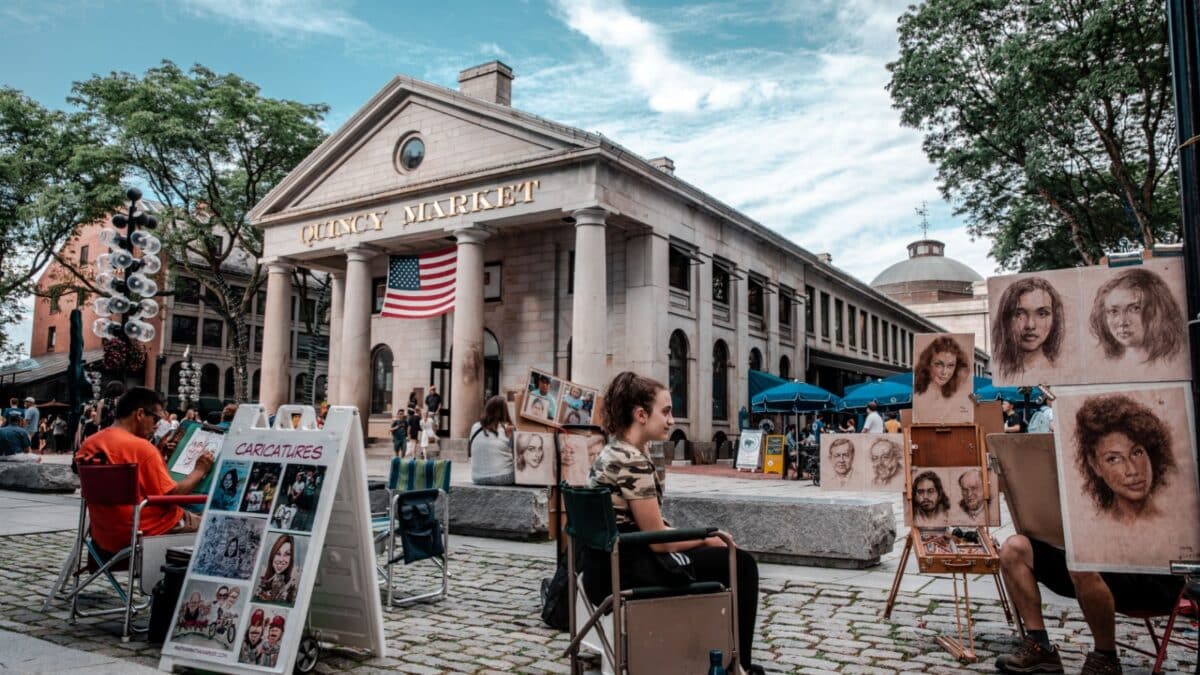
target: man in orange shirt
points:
(137, 413)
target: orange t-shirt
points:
(112, 525)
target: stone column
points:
(337, 292)
(740, 373)
(277, 336)
(702, 390)
(354, 359)
(466, 364)
(771, 310)
(589, 314)
(647, 340)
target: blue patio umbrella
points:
(1013, 394)
(887, 395)
(793, 397)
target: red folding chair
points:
(1184, 607)
(114, 485)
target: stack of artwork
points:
(250, 559)
(1112, 342)
(545, 406)
(555, 402)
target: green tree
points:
(209, 147)
(55, 173)
(1050, 121)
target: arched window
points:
(720, 381)
(173, 378)
(302, 397)
(210, 381)
(677, 379)
(320, 394)
(229, 383)
(255, 383)
(381, 379)
(491, 365)
(785, 367)
(755, 359)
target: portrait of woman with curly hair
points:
(942, 378)
(1128, 476)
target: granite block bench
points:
(845, 533)
(496, 511)
(37, 477)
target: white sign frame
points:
(336, 597)
(749, 450)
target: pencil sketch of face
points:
(929, 498)
(886, 461)
(942, 366)
(1135, 311)
(970, 488)
(531, 452)
(841, 452)
(1124, 454)
(1029, 326)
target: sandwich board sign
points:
(749, 455)
(284, 549)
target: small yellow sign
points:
(773, 454)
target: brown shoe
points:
(1030, 657)
(1101, 664)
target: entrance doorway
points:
(439, 376)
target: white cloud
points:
(286, 18)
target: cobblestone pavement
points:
(490, 623)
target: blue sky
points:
(776, 107)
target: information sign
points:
(749, 453)
(284, 548)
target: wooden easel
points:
(931, 446)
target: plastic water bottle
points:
(715, 663)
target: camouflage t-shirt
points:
(629, 473)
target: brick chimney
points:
(663, 164)
(491, 82)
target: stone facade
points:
(608, 262)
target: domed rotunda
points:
(927, 276)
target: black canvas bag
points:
(420, 530)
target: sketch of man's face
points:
(842, 454)
(1033, 319)
(927, 496)
(1123, 315)
(534, 453)
(544, 386)
(942, 368)
(971, 485)
(1124, 466)
(884, 461)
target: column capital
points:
(472, 234)
(592, 215)
(338, 274)
(360, 253)
(278, 265)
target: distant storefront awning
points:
(45, 367)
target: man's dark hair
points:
(872, 406)
(1103, 415)
(1007, 343)
(114, 389)
(543, 378)
(134, 399)
(943, 502)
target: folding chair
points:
(114, 485)
(1184, 607)
(655, 629)
(415, 487)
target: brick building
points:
(575, 256)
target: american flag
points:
(420, 286)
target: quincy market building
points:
(595, 261)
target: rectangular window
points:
(303, 341)
(236, 293)
(309, 312)
(720, 285)
(187, 291)
(53, 303)
(895, 343)
(679, 270)
(754, 301)
(837, 321)
(211, 336)
(51, 338)
(785, 308)
(83, 255)
(183, 329)
(260, 302)
(810, 299)
(210, 298)
(380, 285)
(875, 335)
(258, 337)
(571, 273)
(885, 341)
(862, 322)
(824, 315)
(852, 315)
(910, 347)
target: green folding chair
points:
(416, 521)
(655, 629)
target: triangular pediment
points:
(461, 136)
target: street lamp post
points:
(128, 279)
(189, 381)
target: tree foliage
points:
(209, 147)
(1050, 121)
(55, 173)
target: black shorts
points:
(1131, 592)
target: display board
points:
(749, 453)
(284, 547)
(773, 454)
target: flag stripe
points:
(420, 286)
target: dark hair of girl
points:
(495, 413)
(626, 393)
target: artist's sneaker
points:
(1030, 657)
(1101, 664)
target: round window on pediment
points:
(410, 152)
